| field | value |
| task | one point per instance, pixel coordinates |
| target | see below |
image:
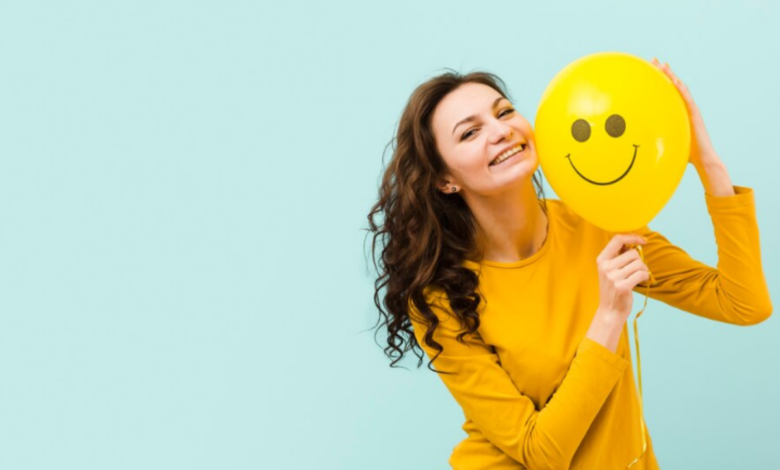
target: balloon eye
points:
(616, 125)
(580, 130)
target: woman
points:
(519, 303)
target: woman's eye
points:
(501, 114)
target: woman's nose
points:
(502, 132)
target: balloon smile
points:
(608, 182)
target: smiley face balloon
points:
(613, 139)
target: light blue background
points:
(183, 190)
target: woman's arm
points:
(545, 439)
(715, 178)
(736, 292)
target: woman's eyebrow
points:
(472, 117)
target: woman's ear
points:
(442, 185)
(446, 186)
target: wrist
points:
(605, 329)
(608, 317)
(715, 178)
(710, 165)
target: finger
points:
(635, 265)
(659, 66)
(616, 243)
(681, 87)
(673, 76)
(684, 91)
(668, 71)
(633, 280)
(622, 261)
(625, 259)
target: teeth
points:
(508, 154)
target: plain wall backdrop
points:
(185, 281)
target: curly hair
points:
(424, 235)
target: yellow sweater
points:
(535, 392)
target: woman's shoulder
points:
(571, 229)
(563, 215)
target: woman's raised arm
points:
(736, 291)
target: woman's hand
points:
(702, 151)
(620, 270)
(708, 164)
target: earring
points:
(453, 189)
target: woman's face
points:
(473, 126)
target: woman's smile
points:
(517, 155)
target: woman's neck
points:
(512, 226)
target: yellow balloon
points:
(613, 139)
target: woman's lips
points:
(513, 157)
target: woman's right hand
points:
(620, 270)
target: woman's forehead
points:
(473, 95)
(467, 101)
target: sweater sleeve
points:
(545, 439)
(736, 292)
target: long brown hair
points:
(424, 235)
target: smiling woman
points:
(518, 302)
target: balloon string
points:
(650, 282)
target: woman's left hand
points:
(708, 164)
(702, 151)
